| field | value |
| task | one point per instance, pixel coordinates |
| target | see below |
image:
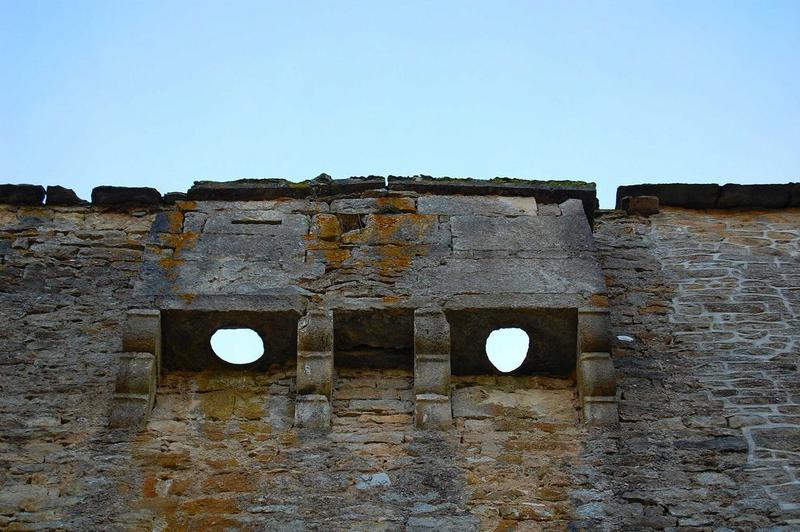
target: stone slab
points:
(483, 205)
(22, 194)
(532, 233)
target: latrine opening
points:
(254, 340)
(374, 338)
(551, 348)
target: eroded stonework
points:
(705, 318)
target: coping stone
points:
(126, 196)
(58, 195)
(22, 194)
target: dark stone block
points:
(248, 190)
(58, 195)
(268, 189)
(754, 196)
(171, 197)
(723, 444)
(643, 205)
(691, 196)
(22, 194)
(126, 196)
(794, 194)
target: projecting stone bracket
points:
(432, 369)
(597, 384)
(314, 370)
(138, 370)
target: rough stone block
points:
(433, 411)
(642, 205)
(126, 196)
(486, 205)
(600, 410)
(58, 195)
(312, 411)
(692, 196)
(384, 204)
(754, 196)
(315, 353)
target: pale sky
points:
(166, 92)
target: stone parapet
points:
(712, 196)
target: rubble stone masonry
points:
(705, 310)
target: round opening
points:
(237, 346)
(507, 348)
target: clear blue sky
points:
(163, 93)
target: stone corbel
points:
(314, 369)
(597, 385)
(138, 370)
(432, 369)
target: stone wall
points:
(709, 434)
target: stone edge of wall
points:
(713, 196)
(319, 187)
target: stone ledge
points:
(22, 194)
(62, 196)
(269, 189)
(712, 196)
(542, 191)
(110, 196)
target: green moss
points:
(564, 183)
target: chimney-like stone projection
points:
(374, 273)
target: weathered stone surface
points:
(433, 411)
(708, 410)
(109, 196)
(472, 205)
(431, 352)
(543, 191)
(312, 412)
(570, 234)
(22, 194)
(58, 195)
(642, 205)
(315, 353)
(710, 196)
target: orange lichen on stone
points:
(397, 203)
(599, 300)
(149, 485)
(326, 227)
(178, 242)
(189, 298)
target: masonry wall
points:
(710, 406)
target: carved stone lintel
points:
(597, 388)
(432, 369)
(433, 411)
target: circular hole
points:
(507, 348)
(237, 346)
